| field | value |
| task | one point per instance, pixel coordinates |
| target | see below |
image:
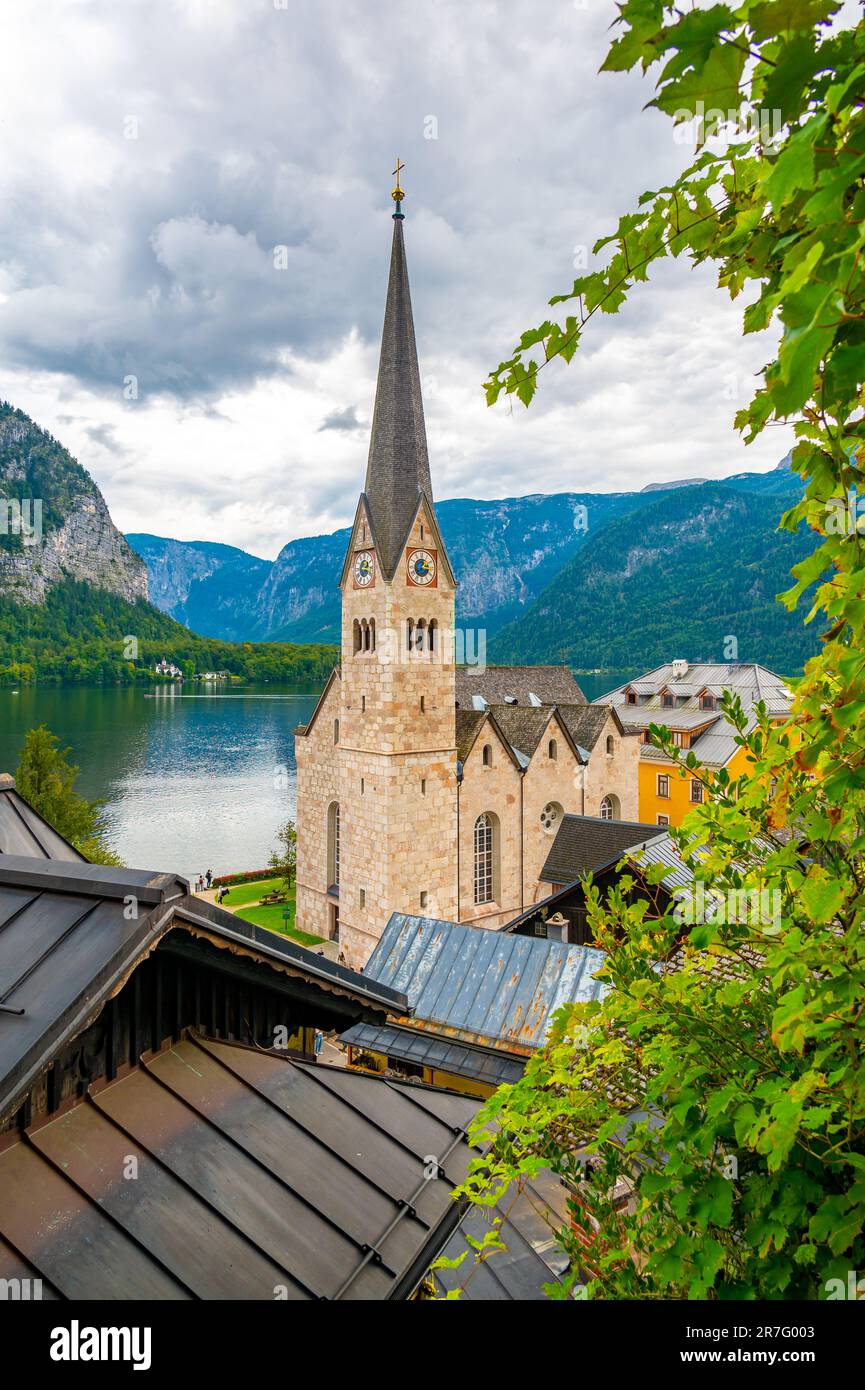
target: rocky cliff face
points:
(54, 523)
(210, 588)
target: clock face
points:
(364, 568)
(421, 567)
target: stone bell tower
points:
(394, 731)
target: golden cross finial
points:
(397, 193)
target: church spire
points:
(398, 467)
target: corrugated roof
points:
(481, 986)
(24, 832)
(716, 746)
(258, 1177)
(662, 850)
(497, 684)
(585, 843)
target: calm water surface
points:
(192, 781)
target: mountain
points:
(74, 595)
(204, 585)
(695, 567)
(505, 553)
(41, 480)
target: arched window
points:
(333, 847)
(611, 747)
(420, 635)
(372, 634)
(336, 731)
(610, 808)
(553, 750)
(486, 851)
(356, 637)
(409, 635)
(488, 755)
(432, 635)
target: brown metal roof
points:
(24, 832)
(255, 1177)
(71, 932)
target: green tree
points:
(708, 1115)
(46, 779)
(283, 859)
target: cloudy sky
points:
(154, 153)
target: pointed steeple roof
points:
(398, 467)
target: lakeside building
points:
(686, 698)
(424, 786)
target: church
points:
(426, 786)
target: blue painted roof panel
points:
(482, 986)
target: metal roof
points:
(258, 1177)
(427, 1050)
(641, 716)
(583, 846)
(661, 849)
(742, 676)
(584, 843)
(481, 986)
(23, 831)
(531, 1212)
(71, 932)
(716, 746)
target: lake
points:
(192, 779)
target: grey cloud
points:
(346, 419)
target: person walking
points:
(209, 877)
(318, 1043)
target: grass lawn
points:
(241, 893)
(270, 915)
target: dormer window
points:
(708, 701)
(630, 697)
(668, 701)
